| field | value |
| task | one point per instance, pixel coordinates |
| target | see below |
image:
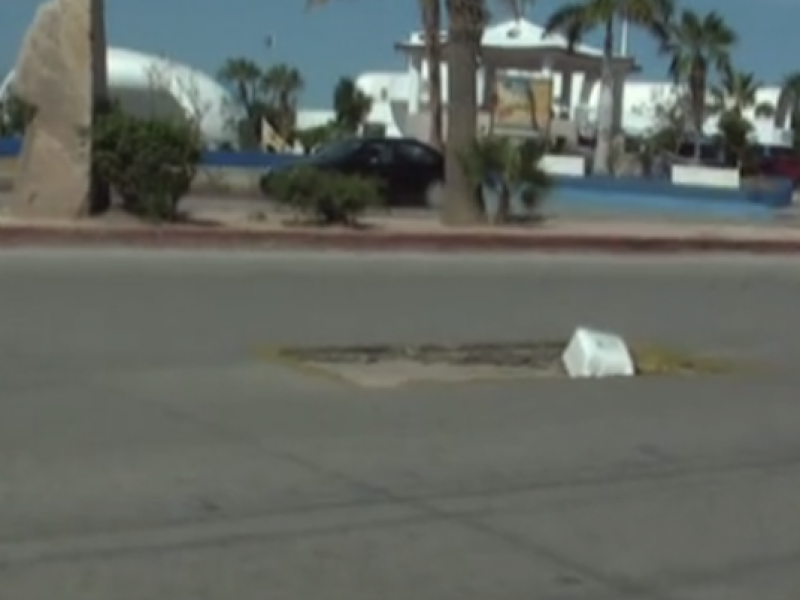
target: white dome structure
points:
(149, 85)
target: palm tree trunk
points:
(431, 11)
(461, 206)
(697, 86)
(605, 106)
(503, 204)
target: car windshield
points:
(337, 150)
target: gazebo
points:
(521, 67)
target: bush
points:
(150, 162)
(507, 166)
(735, 132)
(323, 196)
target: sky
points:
(352, 36)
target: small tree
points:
(673, 119)
(507, 166)
(314, 137)
(269, 96)
(735, 132)
(324, 197)
(191, 107)
(281, 86)
(351, 106)
(150, 162)
(736, 90)
(699, 45)
(244, 77)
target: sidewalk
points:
(396, 233)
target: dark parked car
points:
(411, 172)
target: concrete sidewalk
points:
(240, 226)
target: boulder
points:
(61, 72)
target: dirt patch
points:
(395, 365)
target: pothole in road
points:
(394, 365)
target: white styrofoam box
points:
(706, 176)
(593, 353)
(556, 164)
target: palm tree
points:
(698, 45)
(351, 106)
(466, 22)
(576, 19)
(507, 167)
(736, 91)
(788, 109)
(282, 85)
(244, 77)
(431, 16)
(313, 138)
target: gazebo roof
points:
(518, 34)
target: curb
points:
(198, 237)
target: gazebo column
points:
(565, 97)
(590, 79)
(580, 115)
(618, 91)
(489, 85)
(415, 85)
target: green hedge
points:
(150, 162)
(324, 197)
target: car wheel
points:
(434, 195)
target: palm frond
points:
(503, 163)
(654, 16)
(484, 160)
(791, 83)
(569, 21)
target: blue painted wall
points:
(593, 193)
(10, 146)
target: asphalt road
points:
(147, 454)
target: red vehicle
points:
(777, 161)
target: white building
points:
(519, 47)
(147, 84)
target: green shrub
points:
(312, 138)
(150, 162)
(507, 166)
(325, 197)
(734, 131)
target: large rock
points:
(61, 71)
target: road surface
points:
(147, 454)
